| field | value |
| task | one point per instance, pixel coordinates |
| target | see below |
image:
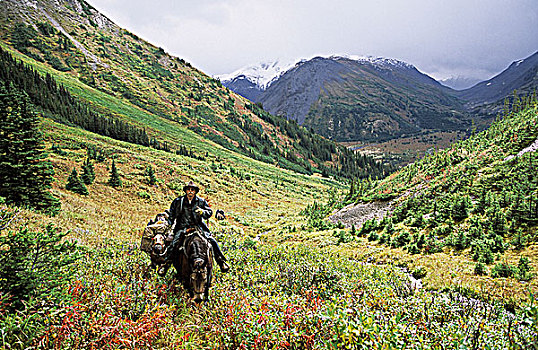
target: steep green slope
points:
(477, 199)
(78, 42)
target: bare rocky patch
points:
(531, 148)
(357, 213)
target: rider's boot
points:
(224, 267)
(219, 256)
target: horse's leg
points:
(206, 294)
(146, 271)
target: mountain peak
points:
(263, 74)
(378, 61)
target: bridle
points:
(164, 252)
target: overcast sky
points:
(443, 38)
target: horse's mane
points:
(195, 259)
(198, 246)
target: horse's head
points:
(158, 246)
(200, 263)
(199, 279)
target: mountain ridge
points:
(263, 74)
(520, 75)
(355, 87)
(306, 99)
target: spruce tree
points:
(88, 173)
(150, 173)
(25, 175)
(114, 180)
(74, 184)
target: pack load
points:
(157, 226)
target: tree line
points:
(57, 103)
(332, 159)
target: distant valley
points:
(371, 100)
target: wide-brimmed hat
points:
(192, 185)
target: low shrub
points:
(503, 269)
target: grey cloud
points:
(439, 37)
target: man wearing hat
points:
(188, 212)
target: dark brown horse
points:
(194, 264)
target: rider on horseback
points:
(188, 213)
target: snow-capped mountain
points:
(251, 81)
(379, 62)
(348, 97)
(261, 74)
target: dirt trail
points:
(357, 214)
(531, 148)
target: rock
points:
(357, 214)
(531, 148)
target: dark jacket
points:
(176, 210)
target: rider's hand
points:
(199, 211)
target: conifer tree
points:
(88, 173)
(114, 180)
(74, 184)
(25, 175)
(150, 173)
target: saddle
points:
(193, 231)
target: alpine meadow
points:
(328, 248)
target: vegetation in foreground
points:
(280, 294)
(281, 297)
